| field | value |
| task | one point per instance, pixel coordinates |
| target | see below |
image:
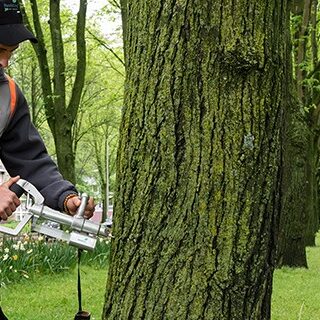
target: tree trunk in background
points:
(302, 30)
(197, 199)
(313, 154)
(294, 213)
(61, 114)
(312, 207)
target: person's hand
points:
(73, 204)
(8, 199)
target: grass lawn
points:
(296, 292)
(55, 296)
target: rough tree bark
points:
(197, 199)
(307, 98)
(294, 214)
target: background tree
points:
(291, 241)
(197, 195)
(302, 54)
(300, 217)
(60, 113)
(99, 115)
(101, 96)
(24, 68)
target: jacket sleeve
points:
(23, 153)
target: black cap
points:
(12, 29)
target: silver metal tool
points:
(83, 232)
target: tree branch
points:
(81, 61)
(105, 46)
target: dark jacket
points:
(23, 153)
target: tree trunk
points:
(295, 187)
(294, 210)
(197, 197)
(308, 100)
(60, 114)
(312, 205)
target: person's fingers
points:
(17, 201)
(90, 205)
(3, 216)
(89, 208)
(74, 203)
(11, 208)
(88, 214)
(8, 200)
(9, 212)
(14, 200)
(10, 182)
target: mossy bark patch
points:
(198, 163)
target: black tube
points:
(17, 190)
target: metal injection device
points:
(83, 232)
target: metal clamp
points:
(83, 231)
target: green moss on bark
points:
(198, 163)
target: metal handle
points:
(22, 186)
(17, 190)
(83, 230)
(82, 207)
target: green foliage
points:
(101, 102)
(23, 258)
(99, 257)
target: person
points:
(22, 151)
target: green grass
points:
(296, 292)
(50, 297)
(23, 259)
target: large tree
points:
(197, 199)
(61, 103)
(304, 60)
(300, 218)
(296, 199)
